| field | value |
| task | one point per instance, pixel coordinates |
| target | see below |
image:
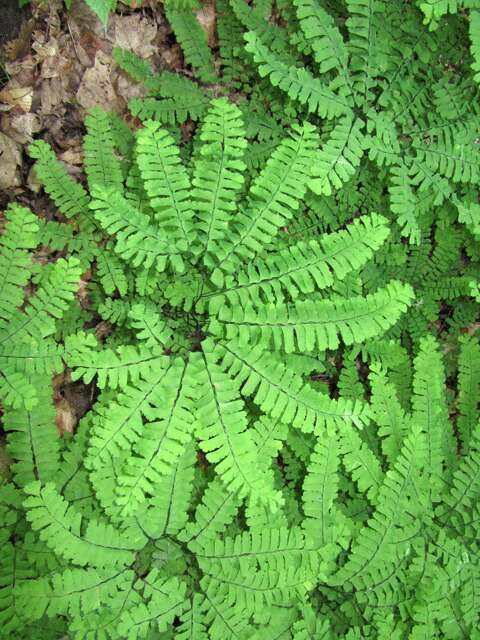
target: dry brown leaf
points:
(10, 161)
(134, 33)
(96, 86)
(66, 418)
(15, 95)
(206, 16)
(72, 156)
(24, 126)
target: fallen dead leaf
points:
(206, 16)
(10, 161)
(24, 126)
(66, 419)
(134, 33)
(96, 86)
(15, 95)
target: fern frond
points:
(430, 411)
(166, 512)
(33, 439)
(97, 544)
(325, 39)
(111, 273)
(162, 443)
(118, 424)
(381, 544)
(165, 180)
(308, 325)
(69, 196)
(193, 41)
(475, 42)
(298, 83)
(458, 161)
(338, 159)
(114, 368)
(274, 197)
(360, 462)
(283, 394)
(47, 305)
(218, 174)
(303, 267)
(320, 488)
(164, 598)
(77, 592)
(136, 239)
(102, 166)
(222, 430)
(403, 203)
(20, 235)
(468, 388)
(389, 414)
(363, 26)
(465, 485)
(150, 326)
(216, 510)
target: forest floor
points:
(57, 66)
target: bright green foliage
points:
(26, 345)
(380, 77)
(279, 341)
(216, 334)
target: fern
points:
(214, 321)
(355, 76)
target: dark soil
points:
(11, 18)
